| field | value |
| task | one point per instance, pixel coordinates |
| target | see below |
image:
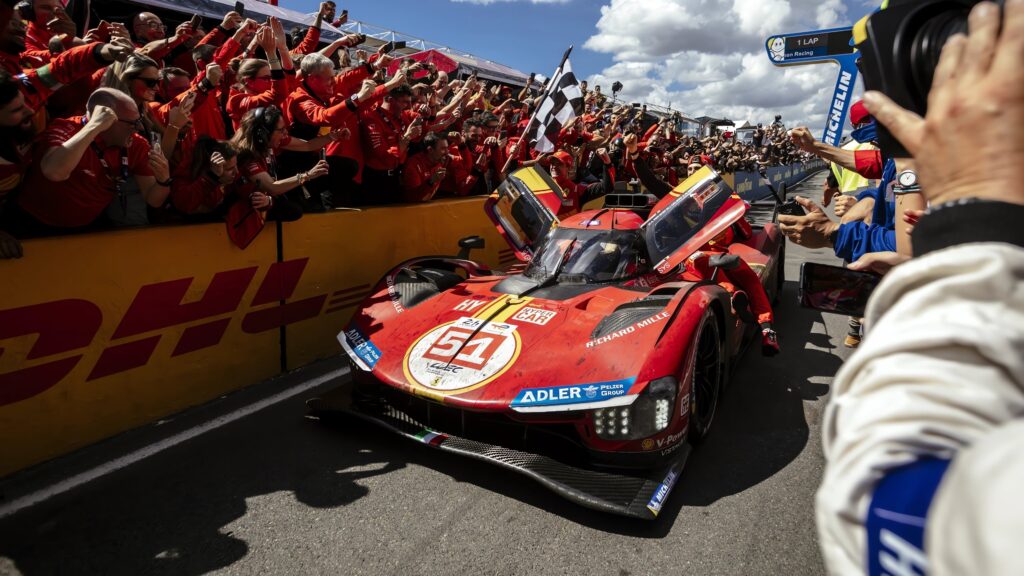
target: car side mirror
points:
(468, 244)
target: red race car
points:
(591, 367)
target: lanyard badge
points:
(118, 179)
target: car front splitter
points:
(636, 496)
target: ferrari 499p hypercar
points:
(591, 367)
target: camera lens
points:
(900, 48)
(926, 47)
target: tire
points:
(707, 378)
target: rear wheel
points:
(706, 385)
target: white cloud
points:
(830, 13)
(760, 17)
(706, 57)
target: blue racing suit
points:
(854, 239)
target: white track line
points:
(33, 498)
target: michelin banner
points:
(751, 187)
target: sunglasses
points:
(137, 123)
(150, 83)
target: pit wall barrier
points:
(101, 333)
(104, 332)
(749, 185)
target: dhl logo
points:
(70, 326)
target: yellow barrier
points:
(353, 250)
(104, 332)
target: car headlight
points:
(648, 415)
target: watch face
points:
(907, 178)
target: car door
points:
(524, 209)
(690, 216)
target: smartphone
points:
(392, 46)
(835, 289)
(791, 208)
(240, 8)
(197, 21)
(344, 14)
(323, 154)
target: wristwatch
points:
(906, 183)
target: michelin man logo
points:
(777, 48)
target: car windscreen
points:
(667, 230)
(593, 256)
(524, 219)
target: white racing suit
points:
(924, 433)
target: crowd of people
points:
(134, 123)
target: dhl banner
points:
(100, 333)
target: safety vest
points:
(849, 181)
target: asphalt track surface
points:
(275, 493)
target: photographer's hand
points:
(878, 262)
(801, 138)
(844, 202)
(811, 231)
(970, 143)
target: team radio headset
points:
(261, 137)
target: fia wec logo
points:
(65, 328)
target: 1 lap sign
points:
(816, 47)
(462, 355)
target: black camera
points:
(900, 48)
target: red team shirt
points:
(81, 199)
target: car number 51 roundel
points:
(461, 355)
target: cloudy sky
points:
(703, 57)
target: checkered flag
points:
(562, 103)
